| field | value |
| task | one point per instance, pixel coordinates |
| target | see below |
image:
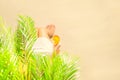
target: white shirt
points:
(43, 45)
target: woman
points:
(44, 43)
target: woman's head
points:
(50, 30)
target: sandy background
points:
(89, 29)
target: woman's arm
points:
(38, 33)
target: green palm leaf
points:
(18, 62)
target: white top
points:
(43, 45)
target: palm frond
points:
(18, 62)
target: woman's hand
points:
(57, 48)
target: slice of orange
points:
(56, 40)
